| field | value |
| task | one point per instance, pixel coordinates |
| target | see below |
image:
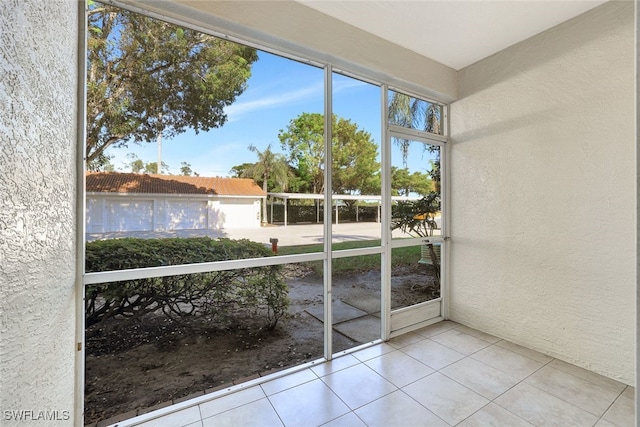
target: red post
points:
(274, 245)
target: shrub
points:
(218, 295)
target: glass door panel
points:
(416, 224)
(356, 196)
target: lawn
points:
(399, 256)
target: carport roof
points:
(125, 183)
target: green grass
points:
(399, 256)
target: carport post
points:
(285, 212)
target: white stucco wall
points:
(544, 196)
(38, 81)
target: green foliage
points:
(355, 168)
(138, 166)
(404, 256)
(403, 183)
(185, 170)
(271, 168)
(238, 293)
(416, 217)
(413, 113)
(147, 78)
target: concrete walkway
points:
(304, 234)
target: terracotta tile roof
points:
(115, 182)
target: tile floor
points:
(442, 375)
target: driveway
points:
(303, 234)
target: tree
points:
(239, 171)
(413, 113)
(304, 142)
(354, 166)
(404, 183)
(270, 165)
(138, 166)
(152, 168)
(185, 169)
(147, 78)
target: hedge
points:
(216, 296)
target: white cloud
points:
(243, 107)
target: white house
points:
(119, 202)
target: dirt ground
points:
(132, 367)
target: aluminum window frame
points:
(279, 48)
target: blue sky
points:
(278, 91)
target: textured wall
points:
(38, 78)
(543, 193)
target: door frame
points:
(406, 319)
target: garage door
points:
(239, 213)
(186, 215)
(134, 215)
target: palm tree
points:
(413, 113)
(270, 165)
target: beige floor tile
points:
(588, 375)
(230, 401)
(584, 394)
(605, 423)
(358, 385)
(478, 334)
(405, 340)
(526, 352)
(436, 328)
(493, 415)
(481, 378)
(309, 404)
(508, 362)
(399, 368)
(461, 342)
(542, 409)
(433, 354)
(288, 381)
(347, 420)
(629, 392)
(337, 364)
(373, 351)
(180, 418)
(446, 398)
(256, 414)
(196, 424)
(622, 412)
(398, 409)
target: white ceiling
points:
(455, 33)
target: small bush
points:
(238, 293)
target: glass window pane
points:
(415, 113)
(415, 275)
(356, 285)
(231, 126)
(415, 189)
(356, 172)
(156, 340)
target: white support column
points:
(385, 304)
(285, 212)
(328, 112)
